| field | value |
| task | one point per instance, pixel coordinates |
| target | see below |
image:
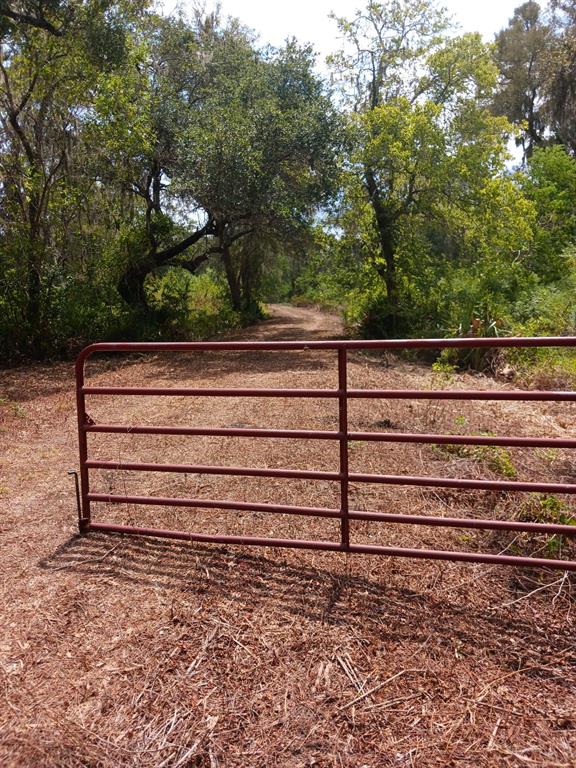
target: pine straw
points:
(123, 651)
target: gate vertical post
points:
(84, 521)
(343, 429)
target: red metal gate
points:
(342, 436)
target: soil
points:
(125, 651)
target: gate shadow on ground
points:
(253, 582)
(44, 380)
(279, 327)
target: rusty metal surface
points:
(342, 436)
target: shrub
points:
(190, 306)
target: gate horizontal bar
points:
(201, 469)
(209, 392)
(380, 394)
(141, 429)
(354, 477)
(466, 557)
(519, 442)
(449, 522)
(461, 394)
(448, 482)
(427, 554)
(383, 344)
(244, 506)
(310, 434)
(465, 522)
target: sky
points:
(308, 21)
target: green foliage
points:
(536, 55)
(161, 176)
(560, 84)
(545, 310)
(499, 461)
(75, 309)
(137, 143)
(13, 326)
(494, 457)
(443, 369)
(550, 184)
(547, 508)
(190, 306)
(426, 189)
(521, 50)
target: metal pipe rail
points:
(342, 394)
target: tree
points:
(561, 75)
(386, 44)
(389, 41)
(242, 144)
(37, 109)
(98, 25)
(47, 83)
(262, 155)
(427, 155)
(49, 15)
(521, 50)
(550, 183)
(137, 121)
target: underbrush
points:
(546, 368)
(77, 311)
(493, 457)
(537, 508)
(190, 307)
(440, 301)
(543, 368)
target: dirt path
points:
(293, 323)
(134, 652)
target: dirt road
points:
(293, 323)
(141, 652)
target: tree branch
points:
(163, 256)
(13, 117)
(192, 264)
(32, 21)
(238, 235)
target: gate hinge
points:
(88, 420)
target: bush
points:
(80, 303)
(190, 306)
(547, 310)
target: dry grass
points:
(133, 652)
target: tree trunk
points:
(131, 284)
(33, 279)
(385, 225)
(231, 276)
